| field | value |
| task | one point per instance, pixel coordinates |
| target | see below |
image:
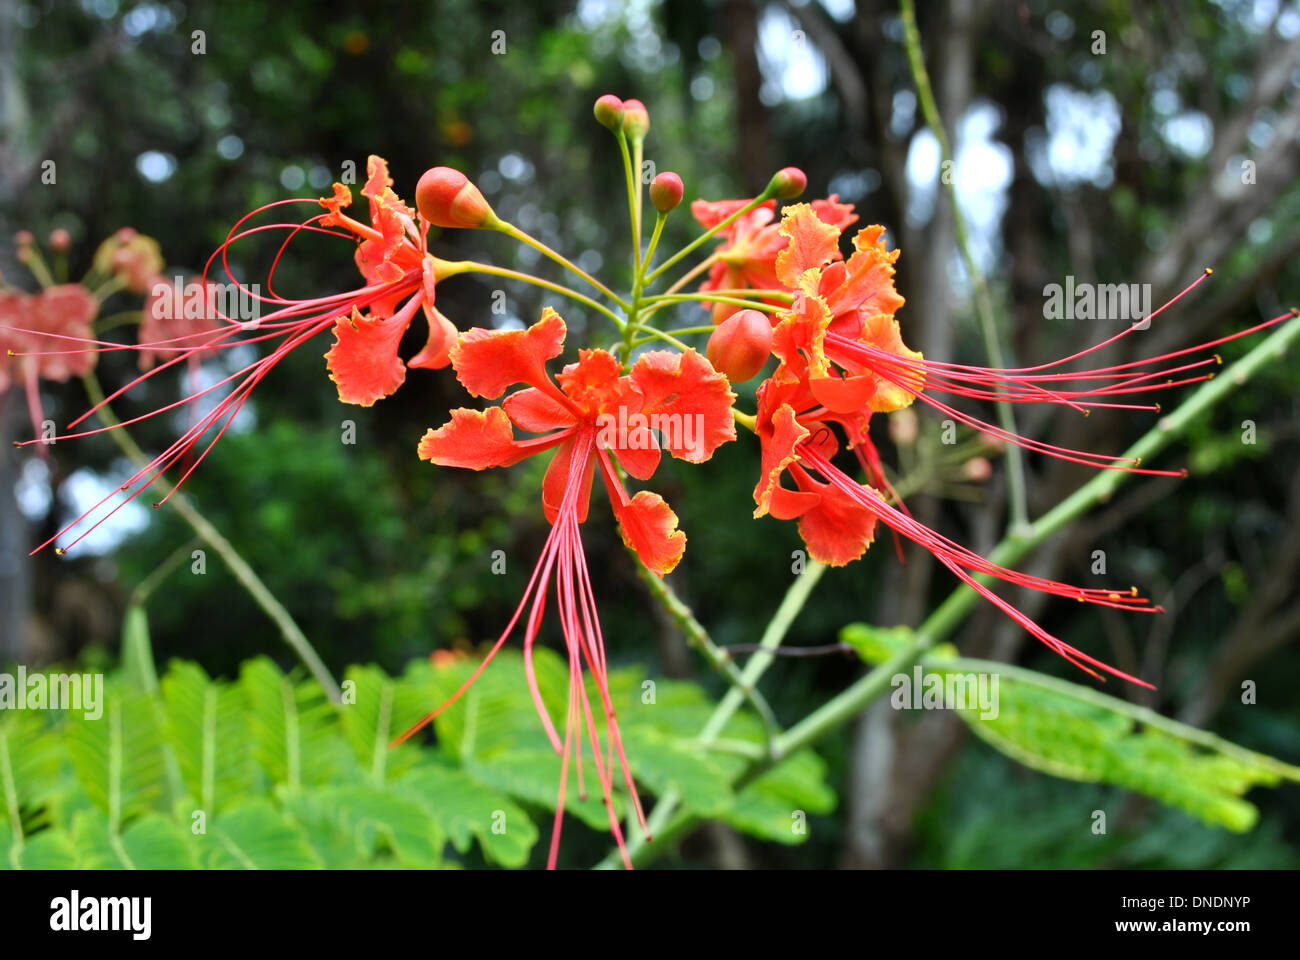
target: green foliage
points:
(193, 772)
(1076, 733)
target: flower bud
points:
(666, 191)
(60, 240)
(740, 345)
(24, 238)
(787, 183)
(446, 198)
(903, 427)
(636, 119)
(609, 112)
(977, 469)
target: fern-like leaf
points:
(206, 727)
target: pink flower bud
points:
(446, 198)
(636, 119)
(60, 240)
(903, 427)
(666, 191)
(24, 238)
(740, 345)
(978, 469)
(609, 112)
(787, 183)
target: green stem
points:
(210, 535)
(108, 288)
(630, 179)
(660, 822)
(843, 707)
(721, 225)
(655, 334)
(719, 659)
(638, 147)
(160, 573)
(660, 220)
(666, 298)
(1017, 497)
(510, 230)
(669, 335)
(472, 266)
(125, 318)
(31, 258)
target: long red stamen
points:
(564, 558)
(965, 564)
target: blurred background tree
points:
(1090, 140)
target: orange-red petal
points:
(837, 214)
(687, 401)
(363, 362)
(649, 527)
(848, 395)
(537, 412)
(867, 282)
(799, 338)
(436, 353)
(635, 446)
(67, 310)
(787, 504)
(838, 530)
(812, 243)
(489, 361)
(472, 439)
(881, 330)
(342, 198)
(777, 444)
(595, 386)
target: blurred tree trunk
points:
(752, 139)
(14, 569)
(14, 580)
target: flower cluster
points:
(784, 295)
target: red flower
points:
(747, 256)
(835, 303)
(677, 394)
(36, 331)
(391, 253)
(131, 257)
(590, 415)
(842, 358)
(841, 338)
(176, 314)
(838, 516)
(368, 324)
